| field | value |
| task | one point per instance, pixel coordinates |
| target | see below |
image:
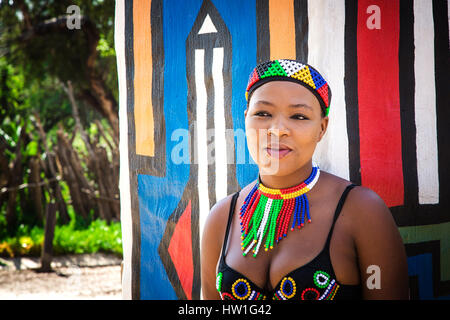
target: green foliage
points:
(33, 65)
(98, 236)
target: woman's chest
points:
(300, 248)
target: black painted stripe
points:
(262, 31)
(159, 123)
(136, 230)
(301, 29)
(407, 112)
(426, 214)
(440, 287)
(351, 89)
(442, 75)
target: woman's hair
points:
(293, 71)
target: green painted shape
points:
(441, 232)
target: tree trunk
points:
(15, 179)
(36, 192)
(47, 248)
(65, 152)
(98, 94)
(64, 216)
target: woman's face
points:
(283, 125)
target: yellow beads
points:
(334, 293)
(293, 288)
(246, 290)
(304, 74)
(276, 192)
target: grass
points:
(77, 237)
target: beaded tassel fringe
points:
(266, 213)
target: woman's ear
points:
(323, 127)
(245, 112)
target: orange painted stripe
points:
(143, 108)
(282, 29)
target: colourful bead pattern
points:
(288, 287)
(292, 70)
(321, 279)
(219, 281)
(330, 292)
(266, 213)
(309, 292)
(278, 296)
(256, 296)
(241, 289)
(226, 296)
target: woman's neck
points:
(287, 181)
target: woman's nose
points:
(278, 128)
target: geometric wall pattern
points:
(183, 68)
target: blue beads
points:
(301, 208)
(248, 198)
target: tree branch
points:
(99, 95)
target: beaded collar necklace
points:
(266, 212)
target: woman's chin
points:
(274, 168)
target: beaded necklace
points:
(266, 212)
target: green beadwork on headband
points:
(295, 71)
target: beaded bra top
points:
(314, 281)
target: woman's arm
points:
(380, 250)
(211, 247)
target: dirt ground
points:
(75, 277)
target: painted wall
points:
(183, 68)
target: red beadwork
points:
(313, 290)
(247, 218)
(323, 91)
(278, 223)
(293, 189)
(272, 222)
(227, 296)
(253, 78)
(246, 215)
(272, 196)
(288, 219)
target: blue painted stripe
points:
(240, 18)
(422, 267)
(159, 196)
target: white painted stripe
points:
(201, 136)
(124, 178)
(326, 53)
(425, 103)
(220, 143)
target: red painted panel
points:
(379, 101)
(180, 250)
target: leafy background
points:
(64, 82)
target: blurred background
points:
(59, 155)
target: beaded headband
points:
(294, 71)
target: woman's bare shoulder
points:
(371, 217)
(359, 196)
(362, 203)
(366, 202)
(219, 213)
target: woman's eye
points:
(299, 117)
(262, 114)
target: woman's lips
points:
(278, 153)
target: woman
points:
(348, 246)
